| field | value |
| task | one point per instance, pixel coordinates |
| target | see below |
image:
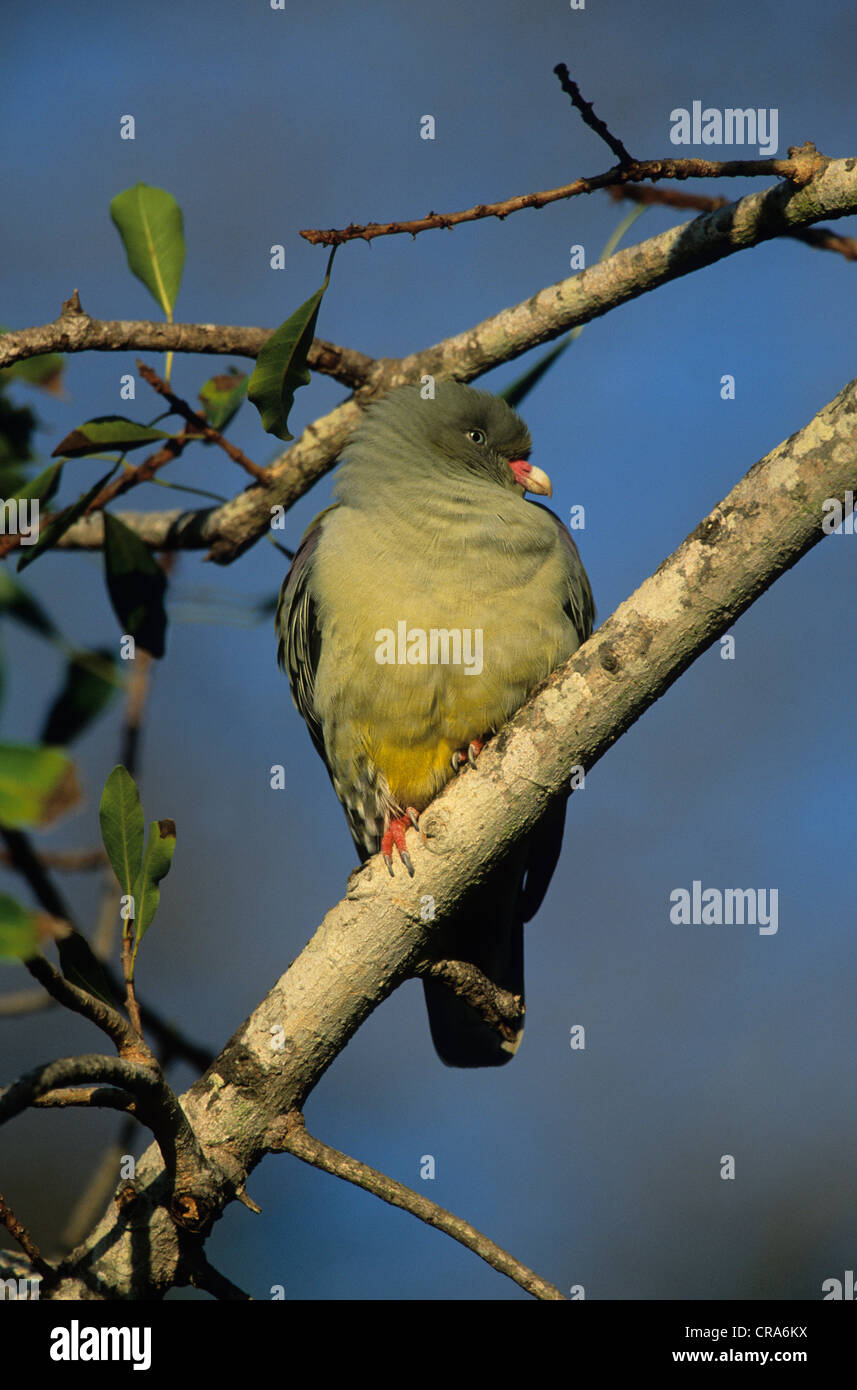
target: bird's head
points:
(459, 433)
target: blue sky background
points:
(598, 1167)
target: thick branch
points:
(231, 528)
(375, 937)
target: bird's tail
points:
(491, 937)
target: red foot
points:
(395, 835)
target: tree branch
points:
(20, 1233)
(376, 936)
(803, 164)
(289, 1135)
(195, 1186)
(819, 237)
(229, 529)
(572, 91)
(75, 331)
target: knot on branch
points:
(72, 308)
(807, 163)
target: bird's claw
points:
(460, 757)
(394, 835)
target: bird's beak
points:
(531, 479)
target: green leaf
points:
(281, 366)
(136, 584)
(121, 817)
(19, 937)
(66, 518)
(16, 603)
(89, 686)
(156, 865)
(222, 395)
(43, 486)
(36, 785)
(149, 221)
(107, 432)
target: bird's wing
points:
(299, 646)
(580, 606)
(546, 843)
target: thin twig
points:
(289, 1135)
(572, 90)
(20, 1233)
(799, 168)
(129, 1044)
(131, 1004)
(200, 424)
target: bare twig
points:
(572, 90)
(128, 1042)
(20, 1233)
(499, 1008)
(289, 1135)
(802, 165)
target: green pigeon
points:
(420, 611)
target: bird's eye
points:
(477, 436)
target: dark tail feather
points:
(491, 937)
(461, 1036)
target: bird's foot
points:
(395, 835)
(468, 755)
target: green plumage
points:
(430, 535)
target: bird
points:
(421, 609)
